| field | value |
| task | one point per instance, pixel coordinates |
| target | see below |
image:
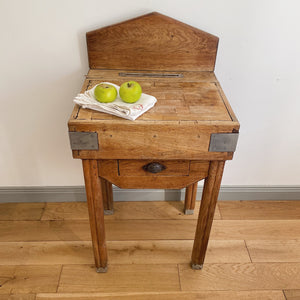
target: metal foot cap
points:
(101, 270)
(108, 211)
(189, 212)
(197, 267)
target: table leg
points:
(190, 198)
(96, 212)
(108, 202)
(208, 203)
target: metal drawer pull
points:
(123, 74)
(154, 167)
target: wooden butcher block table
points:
(186, 137)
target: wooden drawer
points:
(153, 167)
(131, 174)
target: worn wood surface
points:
(264, 276)
(292, 294)
(192, 106)
(120, 278)
(119, 252)
(151, 42)
(207, 209)
(246, 259)
(190, 197)
(129, 174)
(260, 210)
(176, 131)
(18, 297)
(134, 229)
(142, 210)
(95, 201)
(205, 295)
(108, 201)
(274, 251)
(29, 279)
(21, 211)
(135, 168)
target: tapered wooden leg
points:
(208, 203)
(107, 192)
(96, 212)
(190, 198)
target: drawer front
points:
(153, 167)
(131, 174)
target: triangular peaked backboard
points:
(152, 42)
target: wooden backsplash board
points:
(152, 42)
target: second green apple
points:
(130, 91)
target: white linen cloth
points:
(119, 108)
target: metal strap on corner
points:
(83, 140)
(223, 142)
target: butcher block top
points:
(173, 62)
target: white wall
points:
(43, 62)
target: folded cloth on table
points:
(129, 111)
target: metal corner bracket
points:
(223, 142)
(83, 140)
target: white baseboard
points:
(77, 193)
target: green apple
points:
(105, 93)
(130, 91)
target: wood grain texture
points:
(70, 230)
(18, 297)
(65, 211)
(108, 201)
(123, 211)
(128, 175)
(204, 295)
(260, 210)
(29, 279)
(94, 195)
(274, 251)
(292, 294)
(190, 196)
(256, 229)
(21, 211)
(185, 76)
(228, 272)
(119, 252)
(185, 101)
(120, 278)
(207, 210)
(191, 109)
(135, 168)
(155, 41)
(258, 276)
(79, 230)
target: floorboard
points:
(71, 230)
(124, 211)
(259, 210)
(204, 295)
(253, 253)
(29, 279)
(119, 252)
(292, 294)
(21, 211)
(247, 276)
(274, 251)
(120, 278)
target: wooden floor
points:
(254, 252)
